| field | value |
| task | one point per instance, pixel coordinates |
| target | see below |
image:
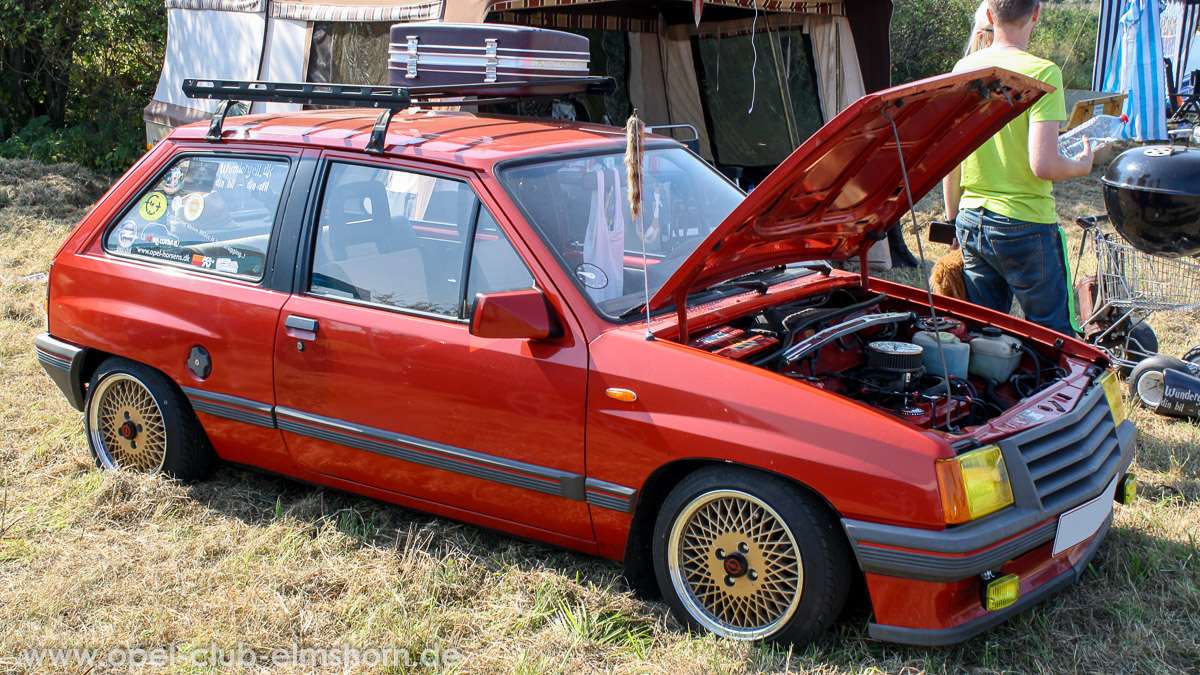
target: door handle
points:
(302, 323)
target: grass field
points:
(108, 561)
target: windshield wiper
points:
(751, 281)
(636, 309)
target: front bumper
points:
(925, 583)
(63, 362)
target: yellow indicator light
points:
(1112, 392)
(623, 395)
(973, 484)
(1127, 489)
(1001, 592)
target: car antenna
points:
(921, 252)
(635, 154)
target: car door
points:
(378, 379)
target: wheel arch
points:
(638, 560)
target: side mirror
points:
(514, 314)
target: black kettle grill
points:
(1152, 195)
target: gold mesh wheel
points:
(126, 425)
(735, 564)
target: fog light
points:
(1001, 592)
(1126, 489)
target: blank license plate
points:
(1084, 520)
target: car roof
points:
(452, 137)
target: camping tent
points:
(754, 77)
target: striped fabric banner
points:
(217, 5)
(793, 6)
(1136, 68)
(577, 21)
(309, 11)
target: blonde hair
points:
(981, 32)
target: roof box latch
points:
(411, 69)
(493, 59)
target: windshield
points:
(580, 209)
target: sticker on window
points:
(208, 213)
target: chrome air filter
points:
(895, 357)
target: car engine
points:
(932, 371)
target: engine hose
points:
(989, 394)
(817, 317)
(1037, 364)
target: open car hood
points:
(841, 190)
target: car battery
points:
(746, 347)
(721, 337)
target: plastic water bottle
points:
(1102, 130)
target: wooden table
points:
(1082, 105)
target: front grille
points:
(1071, 457)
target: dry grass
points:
(103, 561)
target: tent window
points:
(349, 52)
(784, 85)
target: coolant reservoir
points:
(994, 355)
(957, 353)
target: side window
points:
(208, 213)
(495, 265)
(392, 237)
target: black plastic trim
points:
(928, 637)
(934, 567)
(231, 407)
(610, 495)
(63, 362)
(427, 453)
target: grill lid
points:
(1157, 168)
(1152, 196)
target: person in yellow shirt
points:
(999, 197)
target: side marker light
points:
(623, 395)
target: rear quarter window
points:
(213, 214)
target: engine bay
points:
(933, 371)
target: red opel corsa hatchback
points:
(464, 318)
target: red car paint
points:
(538, 448)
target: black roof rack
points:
(387, 99)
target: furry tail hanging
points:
(947, 276)
(635, 151)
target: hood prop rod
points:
(921, 252)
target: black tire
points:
(809, 566)
(1139, 344)
(1146, 380)
(1192, 355)
(136, 419)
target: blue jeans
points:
(1005, 257)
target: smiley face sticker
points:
(153, 206)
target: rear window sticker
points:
(172, 180)
(127, 234)
(158, 235)
(202, 261)
(228, 265)
(176, 205)
(193, 206)
(153, 206)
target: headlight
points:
(1112, 392)
(973, 484)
